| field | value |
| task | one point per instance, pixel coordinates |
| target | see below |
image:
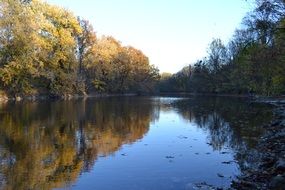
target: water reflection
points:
(230, 121)
(48, 145)
(235, 123)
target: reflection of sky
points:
(173, 33)
(145, 165)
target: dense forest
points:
(46, 49)
(252, 62)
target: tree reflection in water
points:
(45, 145)
(235, 123)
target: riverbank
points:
(204, 94)
(270, 170)
(6, 98)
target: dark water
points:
(128, 143)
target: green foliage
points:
(100, 86)
(252, 62)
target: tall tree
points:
(19, 47)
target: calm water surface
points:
(128, 142)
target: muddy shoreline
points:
(269, 172)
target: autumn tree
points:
(85, 42)
(20, 44)
(46, 49)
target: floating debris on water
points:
(220, 175)
(228, 162)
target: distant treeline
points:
(253, 61)
(45, 49)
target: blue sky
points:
(172, 33)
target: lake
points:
(128, 142)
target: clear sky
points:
(172, 33)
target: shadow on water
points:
(45, 145)
(234, 123)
